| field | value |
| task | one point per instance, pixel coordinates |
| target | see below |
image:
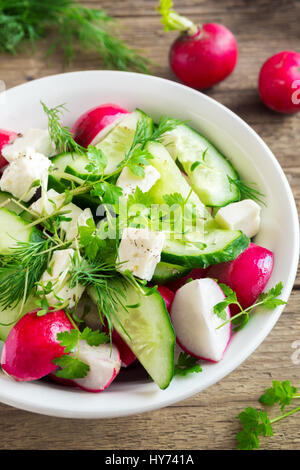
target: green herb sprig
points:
(257, 423)
(186, 364)
(268, 300)
(73, 24)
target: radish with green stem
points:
(202, 55)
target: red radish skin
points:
(207, 57)
(279, 82)
(95, 123)
(195, 323)
(196, 273)
(167, 295)
(6, 137)
(127, 356)
(32, 345)
(247, 275)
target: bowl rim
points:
(49, 409)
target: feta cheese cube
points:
(78, 220)
(58, 274)
(51, 201)
(37, 139)
(243, 215)
(128, 181)
(140, 251)
(19, 175)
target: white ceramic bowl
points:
(20, 108)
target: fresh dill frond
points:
(61, 136)
(165, 125)
(73, 25)
(107, 283)
(247, 191)
(21, 269)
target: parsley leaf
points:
(174, 199)
(69, 339)
(71, 367)
(255, 423)
(97, 159)
(109, 193)
(186, 364)
(93, 338)
(280, 392)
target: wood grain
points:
(208, 420)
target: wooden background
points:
(208, 420)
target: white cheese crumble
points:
(243, 215)
(58, 274)
(52, 201)
(19, 175)
(128, 181)
(36, 139)
(139, 251)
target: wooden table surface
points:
(208, 420)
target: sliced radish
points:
(247, 275)
(127, 356)
(167, 295)
(195, 322)
(104, 362)
(32, 345)
(94, 124)
(196, 273)
(6, 137)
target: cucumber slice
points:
(114, 147)
(210, 177)
(152, 338)
(172, 181)
(221, 246)
(165, 272)
(118, 141)
(14, 229)
(11, 205)
(13, 315)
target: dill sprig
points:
(21, 269)
(31, 20)
(61, 136)
(247, 191)
(107, 284)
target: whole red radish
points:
(247, 275)
(279, 82)
(202, 55)
(6, 137)
(95, 123)
(167, 295)
(32, 345)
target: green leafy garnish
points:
(97, 159)
(268, 300)
(73, 25)
(280, 392)
(256, 423)
(21, 269)
(186, 364)
(71, 367)
(247, 191)
(61, 136)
